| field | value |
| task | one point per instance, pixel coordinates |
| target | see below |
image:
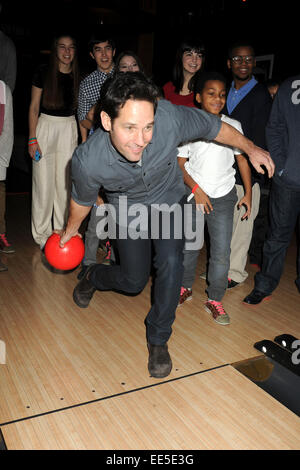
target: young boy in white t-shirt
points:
(210, 179)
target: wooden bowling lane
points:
(60, 356)
(218, 409)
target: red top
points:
(175, 98)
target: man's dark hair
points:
(238, 44)
(122, 87)
(96, 39)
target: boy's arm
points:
(245, 173)
(186, 177)
(201, 199)
(83, 133)
(83, 110)
(86, 124)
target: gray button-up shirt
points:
(158, 180)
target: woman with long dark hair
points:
(53, 136)
(189, 60)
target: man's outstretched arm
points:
(77, 214)
(228, 135)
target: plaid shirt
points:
(89, 91)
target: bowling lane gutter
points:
(127, 392)
(2, 442)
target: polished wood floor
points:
(77, 378)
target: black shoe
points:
(84, 267)
(231, 284)
(255, 297)
(159, 364)
(84, 290)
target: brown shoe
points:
(84, 290)
(160, 363)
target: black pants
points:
(284, 213)
(132, 274)
(260, 229)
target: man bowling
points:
(134, 154)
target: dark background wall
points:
(153, 28)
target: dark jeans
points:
(260, 229)
(284, 212)
(132, 275)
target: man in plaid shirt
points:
(102, 51)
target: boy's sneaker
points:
(217, 311)
(231, 283)
(107, 257)
(185, 294)
(5, 247)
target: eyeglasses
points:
(239, 59)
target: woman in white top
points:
(209, 176)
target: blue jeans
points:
(219, 224)
(284, 213)
(132, 275)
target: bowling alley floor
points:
(77, 378)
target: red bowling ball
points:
(66, 258)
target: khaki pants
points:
(51, 182)
(242, 234)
